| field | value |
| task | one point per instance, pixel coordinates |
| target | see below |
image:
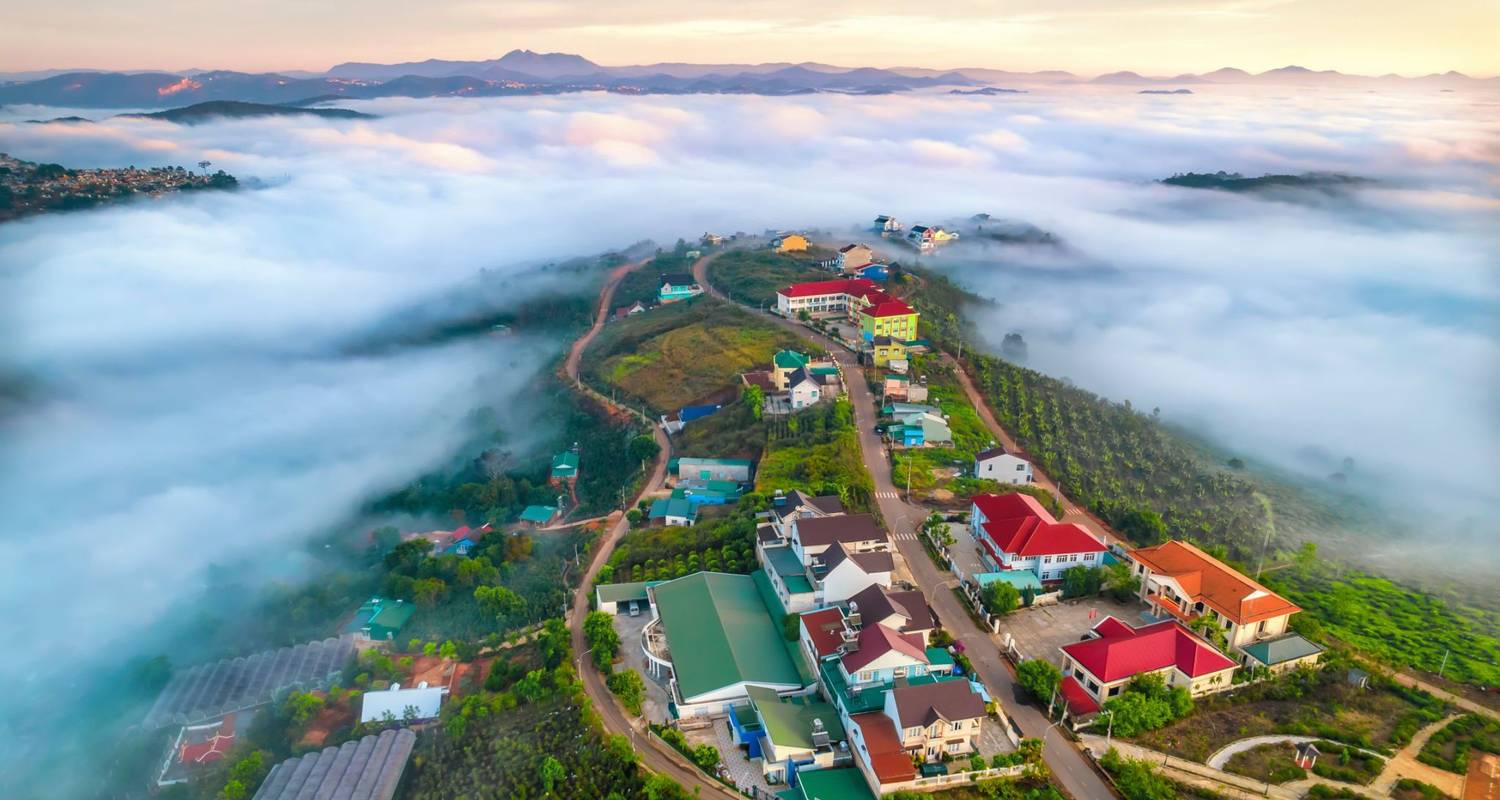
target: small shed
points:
(1307, 755)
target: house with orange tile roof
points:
(879, 751)
(1179, 580)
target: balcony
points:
(1171, 606)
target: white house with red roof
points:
(1097, 669)
(1016, 533)
(829, 297)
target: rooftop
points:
(1282, 649)
(621, 592)
(823, 627)
(720, 633)
(565, 465)
(927, 703)
(875, 640)
(784, 563)
(850, 286)
(1213, 582)
(831, 784)
(887, 757)
(889, 308)
(1080, 702)
(364, 769)
(1122, 651)
(789, 359)
(789, 721)
(538, 514)
(846, 528)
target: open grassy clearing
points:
(1382, 717)
(817, 450)
(1268, 763)
(753, 276)
(676, 354)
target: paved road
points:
(654, 756)
(1070, 766)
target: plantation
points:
(817, 450)
(679, 353)
(1382, 717)
(726, 544)
(753, 276)
(1449, 748)
(1125, 465)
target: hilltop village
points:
(30, 188)
(820, 569)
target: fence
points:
(964, 778)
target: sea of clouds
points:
(187, 394)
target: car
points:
(635, 609)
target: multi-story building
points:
(1179, 580)
(1015, 533)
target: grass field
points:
(817, 450)
(731, 433)
(753, 276)
(676, 354)
(1268, 763)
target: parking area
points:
(1040, 630)
(965, 551)
(654, 707)
(739, 770)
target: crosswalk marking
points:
(910, 536)
(888, 495)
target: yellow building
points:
(791, 243)
(887, 350)
(891, 317)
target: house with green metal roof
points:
(538, 515)
(564, 467)
(380, 620)
(1282, 653)
(673, 511)
(714, 637)
(616, 597)
(803, 731)
(829, 784)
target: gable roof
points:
(565, 464)
(823, 627)
(846, 783)
(869, 563)
(720, 633)
(877, 603)
(1213, 582)
(847, 528)
(789, 359)
(1080, 702)
(850, 286)
(673, 507)
(1011, 505)
(875, 640)
(887, 757)
(1032, 537)
(993, 452)
(924, 704)
(1281, 649)
(1122, 651)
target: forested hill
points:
(216, 109)
(1235, 182)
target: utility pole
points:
(908, 477)
(1445, 662)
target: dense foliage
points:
(1146, 704)
(1137, 779)
(1039, 677)
(1449, 748)
(817, 450)
(722, 544)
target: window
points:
(865, 676)
(1094, 688)
(1020, 468)
(954, 747)
(912, 733)
(1078, 674)
(1046, 559)
(1114, 690)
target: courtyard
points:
(1039, 631)
(654, 707)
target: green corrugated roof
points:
(618, 592)
(788, 722)
(938, 657)
(1279, 651)
(789, 359)
(538, 514)
(833, 784)
(720, 632)
(825, 370)
(674, 507)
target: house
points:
(790, 243)
(629, 311)
(802, 581)
(880, 753)
(925, 238)
(537, 516)
(842, 574)
(673, 511)
(900, 388)
(464, 539)
(892, 318)
(708, 493)
(919, 430)
(852, 257)
(879, 654)
(934, 719)
(711, 240)
(362, 769)
(677, 286)
(885, 224)
(885, 351)
(789, 734)
(380, 620)
(803, 391)
(906, 612)
(783, 364)
(1103, 665)
(1179, 579)
(689, 468)
(797, 504)
(679, 419)
(812, 536)
(880, 273)
(401, 705)
(614, 598)
(996, 464)
(1015, 532)
(564, 469)
(1281, 653)
(839, 296)
(712, 637)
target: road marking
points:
(888, 495)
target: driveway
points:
(654, 707)
(1038, 631)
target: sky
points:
(1085, 36)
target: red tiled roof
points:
(823, 630)
(1210, 581)
(1032, 537)
(1080, 702)
(851, 286)
(888, 308)
(887, 757)
(877, 640)
(1011, 504)
(1122, 651)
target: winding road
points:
(1071, 767)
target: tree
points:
(1000, 598)
(551, 771)
(448, 651)
(1038, 677)
(706, 756)
(599, 631)
(754, 399)
(1207, 626)
(1137, 779)
(1122, 582)
(1081, 581)
(1142, 526)
(301, 706)
(628, 686)
(498, 601)
(428, 592)
(643, 448)
(552, 642)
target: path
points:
(1228, 751)
(1405, 765)
(654, 755)
(1457, 700)
(1070, 766)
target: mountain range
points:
(527, 72)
